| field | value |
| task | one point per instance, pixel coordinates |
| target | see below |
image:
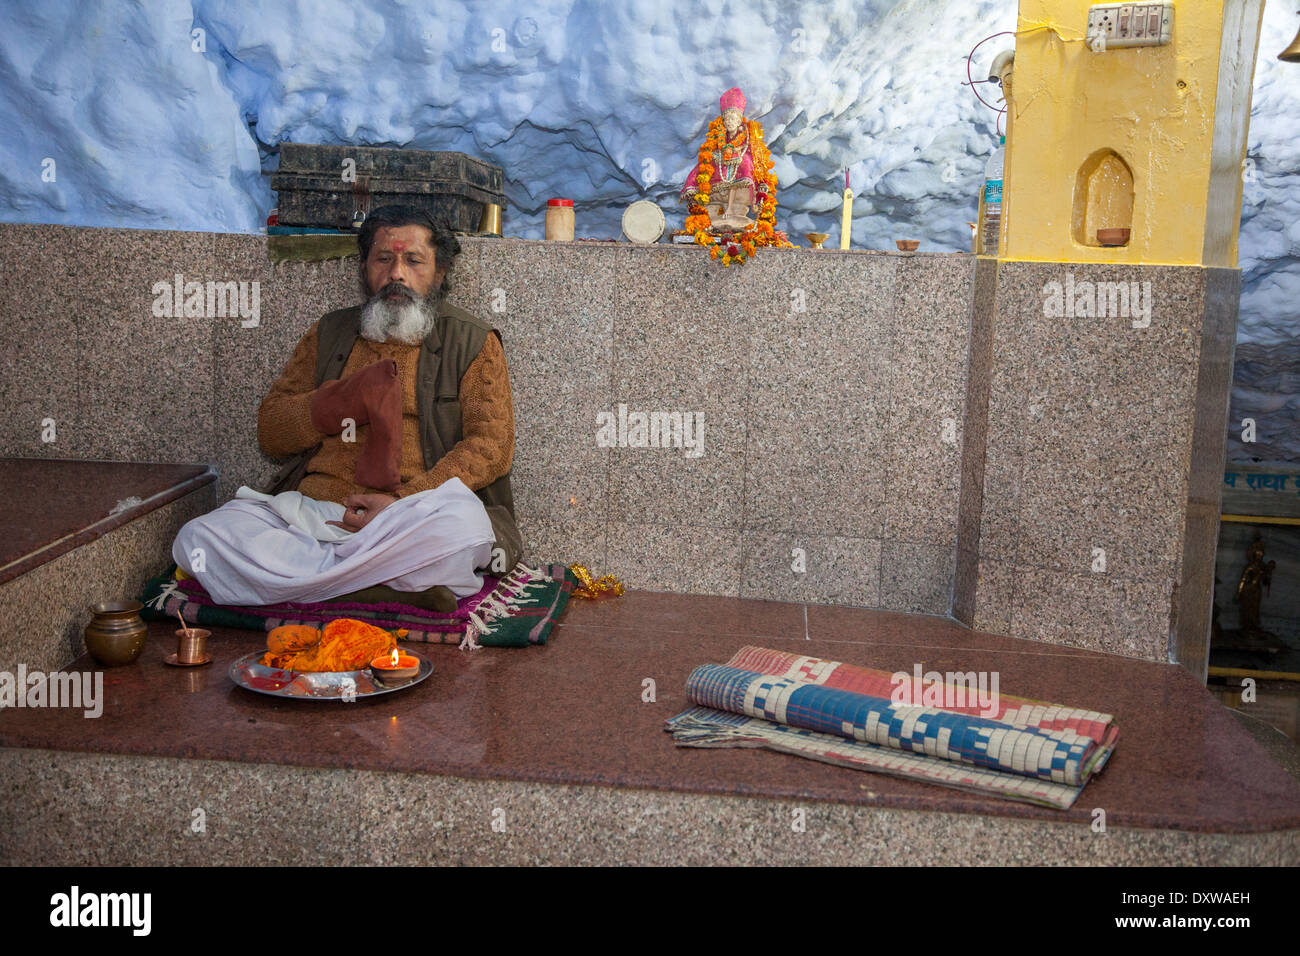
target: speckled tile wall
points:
(974, 446)
(38, 374)
(1090, 460)
(1192, 611)
(555, 310)
(449, 821)
(912, 432)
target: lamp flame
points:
(396, 657)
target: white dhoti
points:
(259, 549)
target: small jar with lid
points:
(559, 219)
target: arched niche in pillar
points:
(1103, 197)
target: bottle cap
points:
(559, 202)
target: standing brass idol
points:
(1256, 579)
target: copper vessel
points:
(191, 647)
(115, 634)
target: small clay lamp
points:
(395, 666)
(907, 245)
(1112, 237)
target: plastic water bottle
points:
(991, 201)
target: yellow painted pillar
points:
(1146, 138)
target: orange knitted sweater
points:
(483, 454)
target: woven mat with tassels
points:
(517, 610)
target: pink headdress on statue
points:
(733, 99)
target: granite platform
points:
(562, 748)
(909, 432)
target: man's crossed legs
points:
(248, 554)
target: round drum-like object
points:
(643, 222)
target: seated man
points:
(399, 416)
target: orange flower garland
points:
(742, 245)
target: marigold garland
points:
(741, 246)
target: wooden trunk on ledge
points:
(313, 191)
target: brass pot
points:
(115, 635)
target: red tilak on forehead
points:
(399, 245)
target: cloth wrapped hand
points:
(371, 396)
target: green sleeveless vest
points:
(445, 357)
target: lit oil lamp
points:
(395, 666)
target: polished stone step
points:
(79, 533)
(60, 504)
(562, 732)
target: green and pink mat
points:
(1010, 747)
(516, 610)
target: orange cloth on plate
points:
(344, 645)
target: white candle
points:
(846, 217)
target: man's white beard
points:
(408, 322)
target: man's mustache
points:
(395, 287)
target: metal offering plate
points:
(331, 685)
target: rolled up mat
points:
(1019, 711)
(1056, 755)
(746, 708)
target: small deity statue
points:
(733, 179)
(1256, 579)
(731, 191)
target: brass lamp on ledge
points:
(1292, 53)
